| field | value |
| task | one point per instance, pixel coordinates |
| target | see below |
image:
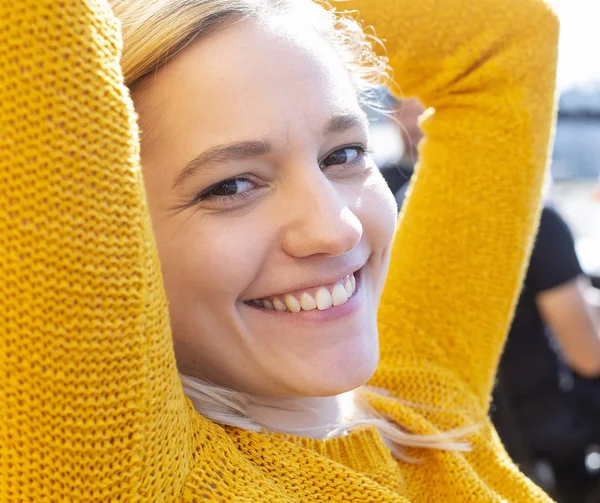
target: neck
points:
(314, 417)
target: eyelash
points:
(361, 149)
(207, 194)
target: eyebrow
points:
(237, 151)
(343, 122)
(242, 150)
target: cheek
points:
(378, 212)
(211, 262)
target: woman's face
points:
(264, 203)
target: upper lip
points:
(328, 279)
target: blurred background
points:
(576, 158)
(546, 404)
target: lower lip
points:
(315, 316)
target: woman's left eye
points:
(345, 155)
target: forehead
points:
(247, 79)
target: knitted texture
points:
(91, 407)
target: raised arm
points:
(91, 408)
(488, 70)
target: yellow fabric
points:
(91, 407)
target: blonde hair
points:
(154, 31)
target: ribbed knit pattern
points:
(91, 408)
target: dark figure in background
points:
(548, 374)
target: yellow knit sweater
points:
(91, 407)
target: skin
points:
(300, 220)
(575, 322)
(407, 114)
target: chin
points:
(340, 376)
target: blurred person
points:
(548, 371)
(405, 114)
(190, 309)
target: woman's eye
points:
(231, 187)
(346, 155)
(227, 189)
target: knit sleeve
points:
(487, 68)
(91, 408)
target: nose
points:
(319, 220)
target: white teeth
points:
(348, 287)
(292, 303)
(307, 302)
(339, 295)
(323, 298)
(278, 305)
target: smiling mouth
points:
(320, 298)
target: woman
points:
(264, 204)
